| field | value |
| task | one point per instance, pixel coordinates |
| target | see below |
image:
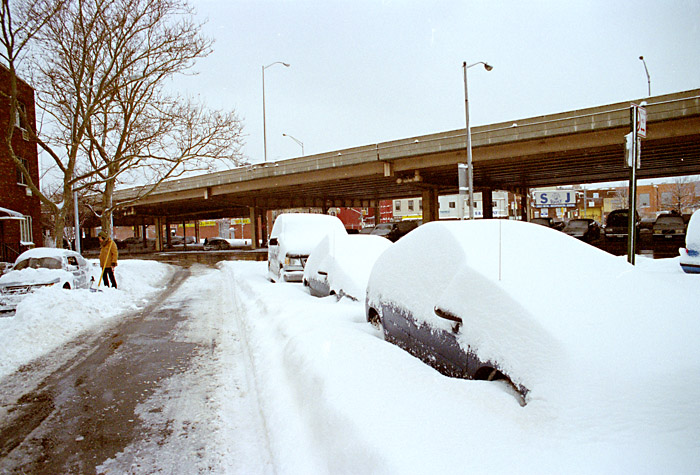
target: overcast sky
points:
(365, 71)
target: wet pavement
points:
(74, 409)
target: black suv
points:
(617, 224)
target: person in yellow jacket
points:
(108, 258)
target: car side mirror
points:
(449, 316)
(273, 242)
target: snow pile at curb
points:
(49, 317)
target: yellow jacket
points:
(108, 253)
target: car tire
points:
(375, 320)
(66, 286)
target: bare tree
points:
(621, 198)
(101, 81)
(681, 196)
(21, 23)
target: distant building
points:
(503, 204)
(20, 210)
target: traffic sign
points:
(641, 122)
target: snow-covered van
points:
(293, 237)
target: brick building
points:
(20, 210)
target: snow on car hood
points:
(348, 261)
(300, 233)
(31, 276)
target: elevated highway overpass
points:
(579, 146)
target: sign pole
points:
(632, 208)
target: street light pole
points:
(646, 71)
(299, 142)
(263, 100)
(470, 167)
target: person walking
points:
(108, 258)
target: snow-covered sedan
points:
(293, 237)
(42, 267)
(340, 265)
(511, 301)
(690, 254)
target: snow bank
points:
(50, 317)
(338, 396)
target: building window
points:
(666, 198)
(453, 205)
(25, 230)
(410, 205)
(420, 204)
(644, 200)
(397, 205)
(20, 116)
(21, 180)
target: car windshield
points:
(670, 220)
(617, 219)
(39, 263)
(577, 224)
(382, 229)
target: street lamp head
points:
(488, 67)
(642, 58)
(286, 64)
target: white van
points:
(293, 237)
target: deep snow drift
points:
(295, 384)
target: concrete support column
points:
(196, 232)
(487, 203)
(184, 235)
(431, 211)
(525, 204)
(167, 233)
(144, 234)
(263, 227)
(254, 228)
(159, 233)
(377, 212)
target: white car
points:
(341, 266)
(293, 237)
(42, 267)
(690, 254)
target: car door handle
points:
(449, 316)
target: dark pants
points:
(109, 273)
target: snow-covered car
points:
(42, 267)
(467, 298)
(690, 254)
(222, 244)
(293, 237)
(340, 265)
